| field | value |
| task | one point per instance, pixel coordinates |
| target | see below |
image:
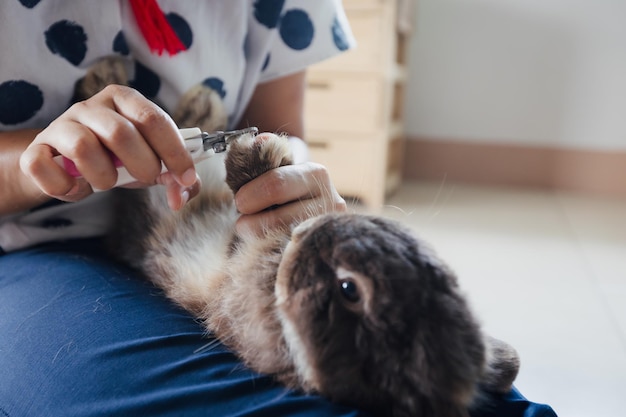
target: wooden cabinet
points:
(353, 107)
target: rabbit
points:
(350, 306)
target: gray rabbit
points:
(353, 307)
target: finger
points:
(81, 190)
(37, 164)
(78, 143)
(283, 185)
(178, 196)
(284, 216)
(122, 138)
(158, 129)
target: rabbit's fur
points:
(350, 306)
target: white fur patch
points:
(298, 352)
(295, 345)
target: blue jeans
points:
(83, 336)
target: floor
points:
(545, 271)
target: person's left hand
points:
(286, 194)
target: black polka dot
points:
(266, 63)
(19, 101)
(215, 84)
(29, 3)
(181, 27)
(119, 44)
(146, 81)
(267, 12)
(296, 29)
(68, 40)
(339, 36)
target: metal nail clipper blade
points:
(218, 141)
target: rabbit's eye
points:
(349, 290)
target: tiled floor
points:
(545, 271)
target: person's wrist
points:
(31, 194)
(21, 191)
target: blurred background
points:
(542, 82)
(496, 129)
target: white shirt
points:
(231, 45)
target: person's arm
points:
(277, 107)
(290, 192)
(17, 192)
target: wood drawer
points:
(344, 103)
(353, 167)
(350, 5)
(370, 32)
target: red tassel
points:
(155, 28)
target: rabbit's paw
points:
(108, 70)
(202, 107)
(250, 156)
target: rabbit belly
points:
(186, 251)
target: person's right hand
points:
(120, 120)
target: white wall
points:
(531, 72)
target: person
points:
(81, 334)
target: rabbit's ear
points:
(503, 365)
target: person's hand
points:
(120, 120)
(282, 195)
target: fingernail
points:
(184, 196)
(74, 190)
(188, 178)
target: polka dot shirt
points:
(230, 46)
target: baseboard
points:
(585, 171)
